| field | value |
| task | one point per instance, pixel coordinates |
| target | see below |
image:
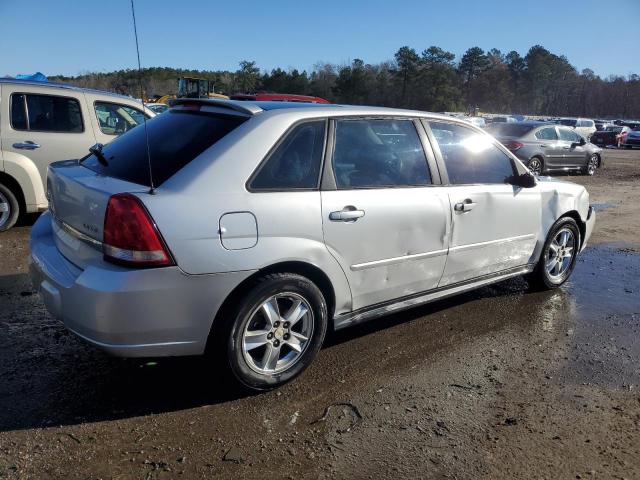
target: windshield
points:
(613, 129)
(508, 129)
(175, 138)
(568, 122)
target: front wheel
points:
(276, 331)
(558, 257)
(591, 166)
(536, 165)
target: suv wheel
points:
(9, 208)
(536, 165)
(276, 331)
(558, 257)
(591, 166)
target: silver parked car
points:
(548, 148)
(264, 224)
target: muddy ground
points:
(499, 383)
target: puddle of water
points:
(604, 321)
(603, 206)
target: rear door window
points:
(548, 133)
(115, 119)
(175, 138)
(471, 157)
(46, 113)
(295, 164)
(372, 153)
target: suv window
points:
(175, 138)
(569, 135)
(548, 133)
(379, 153)
(115, 119)
(471, 157)
(45, 113)
(295, 163)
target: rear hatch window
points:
(175, 138)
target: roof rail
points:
(248, 108)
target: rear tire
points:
(558, 257)
(9, 208)
(275, 331)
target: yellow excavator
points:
(191, 87)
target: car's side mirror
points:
(524, 180)
(579, 143)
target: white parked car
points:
(584, 126)
(477, 121)
(44, 122)
(267, 223)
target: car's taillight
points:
(513, 146)
(130, 237)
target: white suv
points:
(583, 126)
(44, 122)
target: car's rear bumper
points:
(132, 313)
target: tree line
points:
(539, 83)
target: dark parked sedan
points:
(612, 135)
(547, 148)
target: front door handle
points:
(347, 214)
(464, 206)
(28, 145)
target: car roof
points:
(64, 86)
(526, 123)
(300, 109)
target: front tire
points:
(591, 166)
(276, 331)
(9, 208)
(536, 165)
(558, 257)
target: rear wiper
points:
(97, 151)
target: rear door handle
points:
(464, 206)
(347, 214)
(28, 145)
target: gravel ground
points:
(498, 383)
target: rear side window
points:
(375, 153)
(295, 163)
(46, 113)
(547, 134)
(175, 138)
(115, 119)
(471, 157)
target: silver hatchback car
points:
(249, 229)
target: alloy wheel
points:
(593, 164)
(560, 253)
(277, 334)
(535, 165)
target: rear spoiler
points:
(247, 108)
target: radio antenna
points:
(144, 116)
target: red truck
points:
(277, 97)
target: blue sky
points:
(70, 37)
